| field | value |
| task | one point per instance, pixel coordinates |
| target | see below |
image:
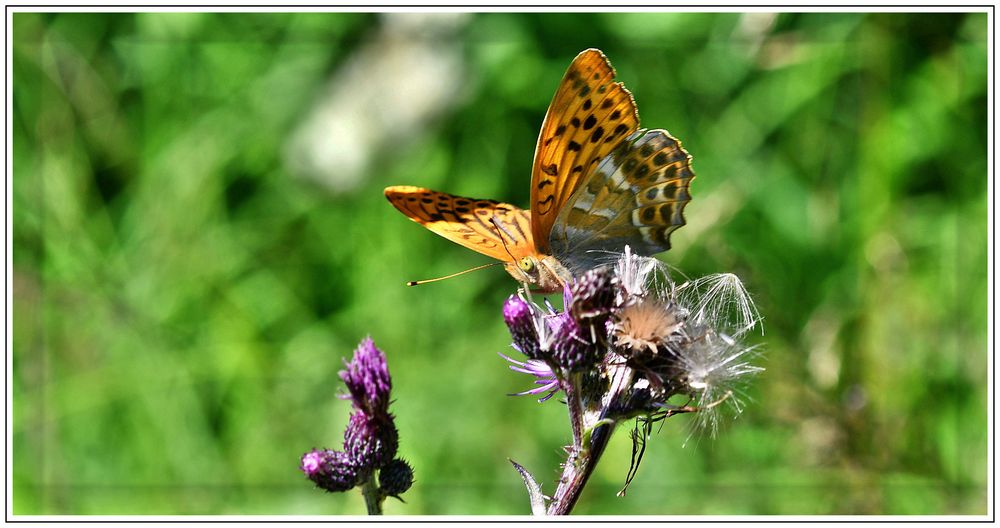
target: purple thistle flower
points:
(544, 377)
(367, 379)
(370, 441)
(520, 317)
(312, 462)
(575, 346)
(329, 470)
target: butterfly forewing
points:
(589, 116)
(487, 226)
(635, 196)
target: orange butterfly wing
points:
(486, 226)
(636, 196)
(589, 116)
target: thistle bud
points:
(395, 478)
(574, 347)
(520, 319)
(370, 442)
(329, 470)
(593, 294)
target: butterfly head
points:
(542, 271)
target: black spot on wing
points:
(545, 205)
(648, 214)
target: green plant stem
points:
(590, 436)
(373, 497)
(575, 408)
(579, 466)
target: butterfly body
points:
(598, 183)
(544, 271)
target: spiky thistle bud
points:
(575, 347)
(370, 441)
(395, 478)
(593, 294)
(329, 470)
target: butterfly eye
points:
(527, 264)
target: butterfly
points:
(598, 183)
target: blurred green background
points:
(200, 236)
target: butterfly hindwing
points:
(589, 116)
(487, 226)
(636, 196)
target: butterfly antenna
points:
(425, 281)
(500, 232)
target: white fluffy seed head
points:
(715, 367)
(721, 301)
(641, 277)
(701, 321)
(645, 324)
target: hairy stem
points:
(591, 433)
(579, 466)
(373, 497)
(575, 408)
